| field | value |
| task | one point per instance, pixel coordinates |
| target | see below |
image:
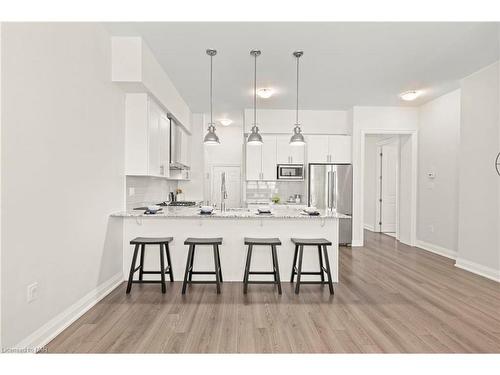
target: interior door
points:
(389, 164)
(233, 185)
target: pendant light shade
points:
(211, 137)
(254, 138)
(297, 138)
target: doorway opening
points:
(387, 184)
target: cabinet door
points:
(164, 145)
(269, 158)
(317, 148)
(283, 152)
(253, 162)
(339, 147)
(297, 154)
(154, 115)
(185, 143)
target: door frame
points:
(211, 167)
(413, 194)
(378, 210)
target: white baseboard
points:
(436, 249)
(478, 269)
(55, 326)
(369, 227)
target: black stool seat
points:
(272, 242)
(188, 274)
(203, 241)
(321, 245)
(311, 241)
(141, 242)
(151, 240)
(262, 241)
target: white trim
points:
(413, 204)
(436, 249)
(59, 323)
(478, 269)
(369, 227)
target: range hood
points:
(176, 135)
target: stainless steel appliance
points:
(330, 187)
(290, 172)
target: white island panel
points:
(232, 251)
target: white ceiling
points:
(344, 64)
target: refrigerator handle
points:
(334, 190)
(328, 189)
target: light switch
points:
(131, 191)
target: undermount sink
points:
(239, 209)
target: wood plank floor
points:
(391, 298)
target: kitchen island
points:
(232, 225)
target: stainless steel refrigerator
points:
(330, 187)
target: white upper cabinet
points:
(328, 148)
(261, 160)
(287, 154)
(147, 137)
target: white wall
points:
(283, 121)
(439, 133)
(478, 198)
(378, 120)
(62, 173)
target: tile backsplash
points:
(263, 191)
(147, 190)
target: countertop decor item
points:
(275, 199)
(254, 138)
(297, 137)
(211, 138)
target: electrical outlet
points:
(431, 228)
(32, 292)
(131, 191)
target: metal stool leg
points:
(169, 261)
(247, 269)
(299, 269)
(162, 270)
(321, 265)
(186, 273)
(328, 272)
(276, 268)
(217, 268)
(294, 262)
(132, 269)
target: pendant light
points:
(297, 137)
(211, 138)
(254, 138)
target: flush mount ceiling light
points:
(265, 93)
(254, 138)
(410, 95)
(225, 121)
(211, 138)
(297, 138)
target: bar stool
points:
(142, 242)
(188, 274)
(251, 242)
(321, 244)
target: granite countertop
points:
(231, 213)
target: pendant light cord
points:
(297, 102)
(255, 91)
(211, 94)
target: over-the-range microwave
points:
(290, 172)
